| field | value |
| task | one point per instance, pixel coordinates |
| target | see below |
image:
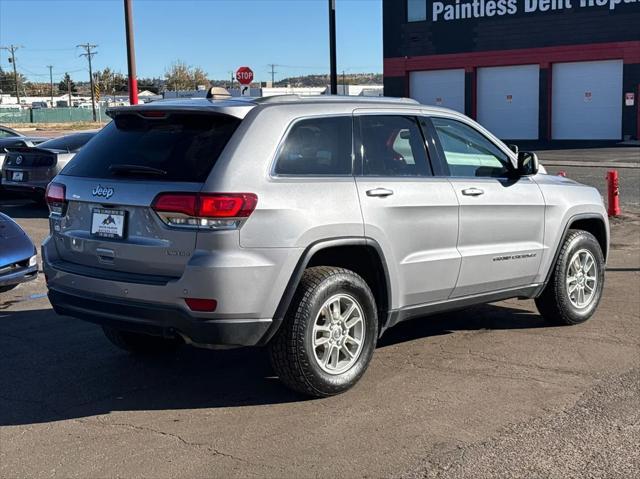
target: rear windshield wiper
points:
(136, 170)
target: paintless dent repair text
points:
(490, 8)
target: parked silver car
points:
(310, 225)
(30, 169)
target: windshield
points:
(183, 146)
(69, 143)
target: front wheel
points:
(576, 284)
(329, 334)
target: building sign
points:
(461, 10)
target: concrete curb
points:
(589, 164)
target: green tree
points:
(67, 83)
(8, 83)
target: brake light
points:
(238, 205)
(205, 210)
(56, 198)
(152, 114)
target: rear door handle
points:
(473, 192)
(379, 192)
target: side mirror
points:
(528, 163)
(514, 148)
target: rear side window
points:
(392, 146)
(181, 147)
(317, 146)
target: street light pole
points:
(131, 54)
(332, 47)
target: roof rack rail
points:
(336, 98)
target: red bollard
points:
(613, 189)
(562, 173)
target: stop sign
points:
(244, 75)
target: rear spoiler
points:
(27, 149)
(235, 108)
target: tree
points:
(63, 86)
(8, 83)
(199, 77)
(180, 76)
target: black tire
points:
(554, 303)
(4, 289)
(143, 344)
(291, 350)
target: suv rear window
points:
(181, 147)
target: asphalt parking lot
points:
(491, 391)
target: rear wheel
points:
(575, 287)
(329, 334)
(138, 343)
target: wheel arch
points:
(593, 223)
(362, 255)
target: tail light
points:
(56, 198)
(205, 210)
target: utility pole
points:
(12, 49)
(332, 47)
(89, 54)
(273, 74)
(344, 84)
(232, 78)
(131, 54)
(69, 91)
(50, 67)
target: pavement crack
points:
(177, 437)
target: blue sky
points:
(217, 35)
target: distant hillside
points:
(323, 80)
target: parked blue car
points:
(18, 261)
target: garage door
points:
(508, 101)
(439, 87)
(587, 100)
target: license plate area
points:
(108, 223)
(18, 176)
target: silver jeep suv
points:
(309, 225)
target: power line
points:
(89, 54)
(273, 73)
(12, 49)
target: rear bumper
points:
(158, 320)
(25, 187)
(23, 275)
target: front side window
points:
(416, 10)
(317, 146)
(392, 146)
(468, 152)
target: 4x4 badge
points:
(102, 191)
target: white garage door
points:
(438, 88)
(587, 100)
(508, 101)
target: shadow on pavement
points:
(54, 368)
(19, 208)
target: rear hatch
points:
(25, 164)
(107, 223)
